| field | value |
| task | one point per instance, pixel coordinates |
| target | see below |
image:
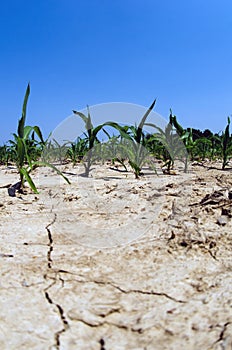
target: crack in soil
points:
(144, 292)
(102, 323)
(59, 308)
(102, 343)
(50, 242)
(62, 317)
(148, 293)
(56, 275)
(221, 336)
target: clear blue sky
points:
(79, 52)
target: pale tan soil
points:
(70, 279)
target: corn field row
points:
(128, 145)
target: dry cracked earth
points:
(134, 264)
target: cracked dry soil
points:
(169, 288)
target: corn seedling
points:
(91, 137)
(22, 145)
(4, 155)
(226, 145)
(173, 147)
(77, 150)
(134, 143)
(202, 148)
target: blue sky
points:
(79, 52)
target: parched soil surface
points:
(114, 263)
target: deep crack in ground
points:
(49, 299)
(222, 334)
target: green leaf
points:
(142, 122)
(86, 120)
(119, 128)
(89, 125)
(26, 153)
(22, 120)
(107, 134)
(156, 127)
(26, 175)
(38, 133)
(83, 117)
(121, 162)
(27, 131)
(54, 168)
(177, 126)
(96, 130)
(20, 148)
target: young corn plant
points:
(134, 144)
(202, 148)
(186, 136)
(22, 146)
(77, 150)
(4, 155)
(215, 147)
(173, 147)
(114, 151)
(91, 137)
(154, 146)
(167, 139)
(226, 145)
(59, 152)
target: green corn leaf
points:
(107, 134)
(96, 130)
(26, 132)
(86, 120)
(121, 162)
(122, 130)
(156, 127)
(38, 133)
(83, 117)
(22, 120)
(26, 175)
(177, 126)
(89, 125)
(26, 153)
(54, 168)
(142, 122)
(20, 151)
